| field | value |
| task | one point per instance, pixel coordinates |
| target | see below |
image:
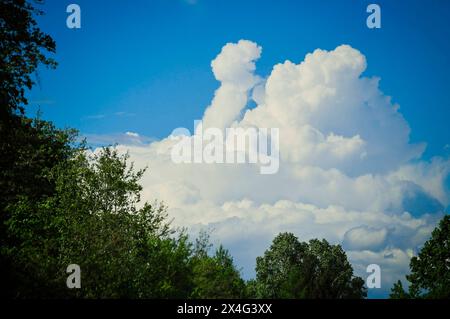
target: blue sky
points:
(144, 66)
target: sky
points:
(374, 179)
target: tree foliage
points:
(93, 220)
(430, 269)
(215, 276)
(22, 49)
(293, 269)
(29, 147)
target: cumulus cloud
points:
(364, 237)
(234, 67)
(332, 117)
(132, 134)
(348, 171)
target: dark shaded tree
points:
(397, 291)
(28, 147)
(23, 47)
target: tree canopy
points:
(23, 48)
(430, 269)
(294, 269)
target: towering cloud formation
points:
(346, 171)
(234, 67)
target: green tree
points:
(214, 276)
(251, 289)
(93, 220)
(430, 269)
(397, 291)
(22, 49)
(28, 147)
(293, 269)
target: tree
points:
(214, 276)
(93, 220)
(22, 49)
(397, 291)
(430, 269)
(293, 269)
(28, 147)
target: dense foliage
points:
(22, 50)
(294, 269)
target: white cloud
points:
(127, 138)
(392, 261)
(429, 175)
(364, 237)
(132, 134)
(332, 117)
(348, 172)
